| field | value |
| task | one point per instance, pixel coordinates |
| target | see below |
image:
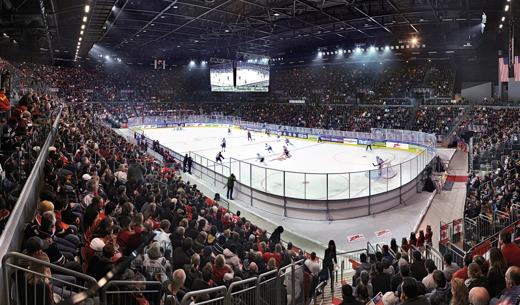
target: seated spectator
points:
(101, 263)
(364, 265)
(478, 296)
(348, 297)
(459, 292)
(364, 280)
(511, 294)
(442, 292)
(173, 292)
(410, 293)
(475, 277)
(380, 280)
(155, 266)
(463, 272)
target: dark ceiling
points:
(220, 28)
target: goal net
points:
(386, 170)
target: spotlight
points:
(276, 14)
(358, 50)
(192, 63)
(87, 8)
(414, 40)
(372, 49)
(341, 51)
(387, 48)
(107, 57)
(500, 26)
(82, 26)
(503, 18)
(320, 54)
(81, 32)
(506, 8)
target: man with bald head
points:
(510, 295)
(478, 296)
(174, 293)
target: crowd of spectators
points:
(497, 129)
(317, 83)
(403, 276)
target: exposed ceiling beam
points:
(188, 22)
(47, 32)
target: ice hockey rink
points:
(347, 166)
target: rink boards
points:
(335, 179)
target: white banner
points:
(397, 145)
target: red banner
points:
(444, 233)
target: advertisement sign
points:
(444, 233)
(296, 101)
(397, 145)
(350, 141)
(332, 139)
(355, 237)
(383, 233)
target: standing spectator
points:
(313, 265)
(101, 263)
(330, 260)
(230, 184)
(449, 266)
(428, 280)
(276, 236)
(459, 292)
(510, 250)
(417, 267)
(190, 164)
(497, 272)
(184, 163)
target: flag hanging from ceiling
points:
(503, 69)
(517, 68)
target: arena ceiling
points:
(204, 28)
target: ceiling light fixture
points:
(87, 8)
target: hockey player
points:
(219, 157)
(260, 158)
(223, 144)
(286, 152)
(249, 138)
(268, 148)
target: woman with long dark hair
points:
(330, 260)
(496, 273)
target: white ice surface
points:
(347, 166)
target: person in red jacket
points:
(510, 250)
(5, 105)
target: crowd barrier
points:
(334, 195)
(11, 238)
(26, 285)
